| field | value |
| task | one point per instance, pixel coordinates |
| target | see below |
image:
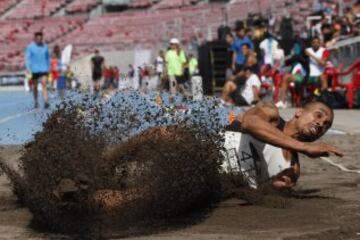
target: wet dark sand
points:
(326, 206)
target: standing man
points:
(175, 60)
(97, 67)
(37, 62)
(238, 56)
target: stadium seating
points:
(141, 3)
(146, 28)
(81, 5)
(6, 4)
(172, 4)
(161, 20)
(16, 34)
(36, 8)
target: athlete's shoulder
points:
(269, 111)
(268, 107)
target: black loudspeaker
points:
(213, 62)
(222, 32)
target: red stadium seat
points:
(351, 86)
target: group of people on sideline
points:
(172, 69)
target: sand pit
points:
(326, 206)
(76, 181)
(82, 180)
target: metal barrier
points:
(346, 52)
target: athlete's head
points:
(313, 120)
(39, 37)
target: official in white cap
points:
(175, 62)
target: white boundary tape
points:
(341, 167)
(9, 118)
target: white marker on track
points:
(341, 167)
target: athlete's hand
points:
(283, 182)
(286, 179)
(320, 149)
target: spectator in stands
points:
(327, 35)
(345, 26)
(249, 33)
(240, 94)
(349, 14)
(250, 59)
(318, 57)
(297, 75)
(97, 68)
(238, 56)
(268, 47)
(175, 62)
(316, 29)
(160, 68)
(37, 61)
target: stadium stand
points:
(128, 29)
(141, 3)
(81, 6)
(164, 4)
(16, 34)
(36, 8)
(132, 26)
(6, 4)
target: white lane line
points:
(18, 115)
(13, 103)
(341, 167)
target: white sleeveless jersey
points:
(255, 160)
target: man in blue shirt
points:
(238, 56)
(37, 61)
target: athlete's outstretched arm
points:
(261, 122)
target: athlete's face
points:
(313, 121)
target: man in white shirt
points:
(235, 92)
(318, 57)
